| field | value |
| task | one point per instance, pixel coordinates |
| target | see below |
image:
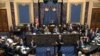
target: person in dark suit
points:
(59, 43)
(64, 28)
(56, 30)
(31, 28)
(46, 30)
(70, 28)
(91, 34)
(33, 47)
(48, 52)
(9, 49)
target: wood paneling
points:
(12, 14)
(95, 22)
(86, 11)
(42, 40)
(64, 13)
(3, 20)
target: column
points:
(90, 13)
(9, 13)
(83, 13)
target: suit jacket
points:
(59, 41)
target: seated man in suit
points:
(2, 42)
(70, 28)
(9, 47)
(91, 34)
(36, 29)
(59, 43)
(64, 29)
(46, 30)
(31, 28)
(97, 39)
(52, 23)
(56, 30)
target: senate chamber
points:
(49, 27)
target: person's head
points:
(83, 55)
(46, 27)
(79, 52)
(70, 24)
(85, 23)
(56, 27)
(32, 40)
(16, 37)
(97, 28)
(64, 25)
(60, 36)
(59, 25)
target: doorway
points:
(3, 21)
(95, 21)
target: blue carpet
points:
(41, 51)
(67, 50)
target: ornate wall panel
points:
(24, 14)
(51, 11)
(75, 13)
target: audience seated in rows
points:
(65, 28)
(86, 37)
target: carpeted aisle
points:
(66, 50)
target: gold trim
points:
(60, 0)
(9, 18)
(40, 0)
(68, 11)
(89, 13)
(35, 1)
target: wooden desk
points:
(92, 49)
(1, 52)
(69, 39)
